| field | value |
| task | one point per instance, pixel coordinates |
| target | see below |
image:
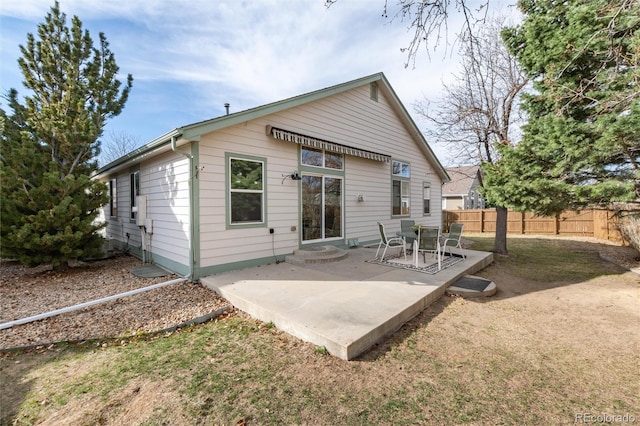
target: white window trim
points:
(134, 186)
(113, 197)
(404, 180)
(426, 186)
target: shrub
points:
(630, 230)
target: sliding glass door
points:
(321, 207)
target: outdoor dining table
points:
(414, 247)
(408, 235)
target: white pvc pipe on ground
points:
(87, 304)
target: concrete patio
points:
(345, 306)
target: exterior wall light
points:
(293, 176)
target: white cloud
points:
(188, 57)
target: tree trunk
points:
(500, 243)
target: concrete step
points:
(320, 254)
(472, 286)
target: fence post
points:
(601, 224)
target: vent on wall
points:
(373, 91)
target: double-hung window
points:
(400, 188)
(134, 192)
(246, 177)
(426, 196)
(113, 198)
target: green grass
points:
(443, 367)
(546, 259)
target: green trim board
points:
(179, 268)
(171, 265)
(225, 267)
(194, 202)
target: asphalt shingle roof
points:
(461, 180)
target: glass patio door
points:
(321, 207)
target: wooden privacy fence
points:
(601, 224)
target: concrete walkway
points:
(345, 306)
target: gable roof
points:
(462, 179)
(192, 132)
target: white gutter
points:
(192, 212)
(174, 148)
(87, 304)
(157, 145)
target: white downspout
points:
(87, 304)
(188, 155)
(143, 245)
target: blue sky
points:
(189, 57)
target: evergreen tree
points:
(581, 145)
(49, 144)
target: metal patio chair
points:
(453, 239)
(389, 242)
(428, 242)
(406, 231)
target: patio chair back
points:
(383, 236)
(389, 242)
(406, 225)
(454, 238)
(406, 228)
(428, 238)
(455, 233)
(429, 241)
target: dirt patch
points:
(627, 257)
(140, 402)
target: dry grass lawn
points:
(559, 340)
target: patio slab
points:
(346, 306)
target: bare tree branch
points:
(479, 109)
(429, 21)
(118, 145)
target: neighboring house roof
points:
(462, 179)
(192, 132)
